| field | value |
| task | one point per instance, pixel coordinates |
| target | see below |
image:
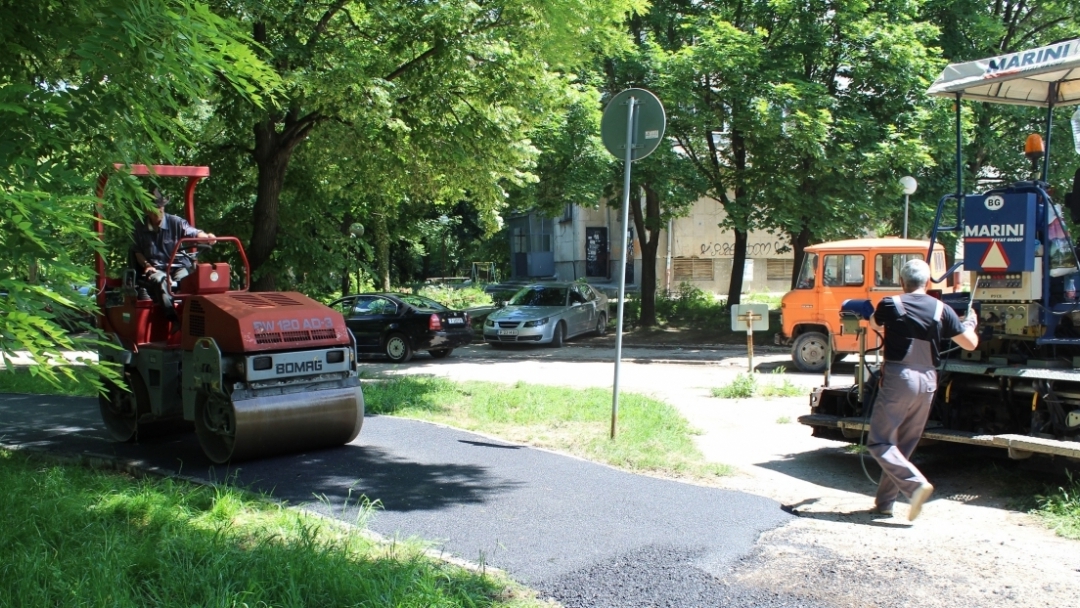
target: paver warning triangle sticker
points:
(995, 258)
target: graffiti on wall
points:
(753, 250)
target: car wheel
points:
(557, 336)
(440, 353)
(808, 352)
(601, 325)
(398, 348)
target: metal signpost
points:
(750, 317)
(631, 128)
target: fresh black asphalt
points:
(584, 534)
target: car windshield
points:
(421, 302)
(539, 296)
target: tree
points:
(439, 95)
(85, 84)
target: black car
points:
(398, 325)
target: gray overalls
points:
(900, 412)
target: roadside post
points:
(631, 128)
(748, 318)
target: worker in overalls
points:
(914, 323)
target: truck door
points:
(843, 276)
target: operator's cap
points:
(160, 200)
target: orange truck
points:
(866, 269)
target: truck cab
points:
(867, 269)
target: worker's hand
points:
(970, 321)
(148, 270)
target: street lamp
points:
(909, 184)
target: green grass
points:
(70, 380)
(783, 420)
(747, 385)
(651, 436)
(73, 536)
(1060, 508)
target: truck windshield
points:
(807, 272)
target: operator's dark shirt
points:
(157, 245)
(919, 324)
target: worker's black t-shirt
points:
(920, 324)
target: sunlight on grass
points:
(73, 536)
(747, 385)
(652, 436)
(71, 380)
(1060, 509)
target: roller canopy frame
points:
(1048, 76)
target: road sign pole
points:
(750, 344)
(631, 103)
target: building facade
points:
(585, 242)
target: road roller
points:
(254, 373)
(1020, 389)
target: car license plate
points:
(507, 332)
(455, 321)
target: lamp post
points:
(910, 185)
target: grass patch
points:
(783, 420)
(652, 437)
(74, 536)
(856, 448)
(70, 380)
(1060, 509)
(748, 385)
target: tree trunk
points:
(738, 261)
(799, 243)
(738, 267)
(649, 240)
(382, 248)
(272, 154)
(346, 270)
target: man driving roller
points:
(155, 239)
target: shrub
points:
(458, 298)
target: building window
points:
(693, 269)
(779, 270)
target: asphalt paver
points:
(581, 533)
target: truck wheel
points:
(808, 352)
(398, 348)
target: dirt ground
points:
(972, 546)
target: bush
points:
(456, 298)
(690, 306)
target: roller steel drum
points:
(276, 424)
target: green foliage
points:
(743, 386)
(436, 113)
(1060, 508)
(78, 536)
(69, 380)
(652, 436)
(783, 420)
(458, 298)
(747, 385)
(85, 84)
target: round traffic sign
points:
(646, 127)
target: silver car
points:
(548, 313)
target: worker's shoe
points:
(881, 510)
(918, 499)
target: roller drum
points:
(277, 424)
